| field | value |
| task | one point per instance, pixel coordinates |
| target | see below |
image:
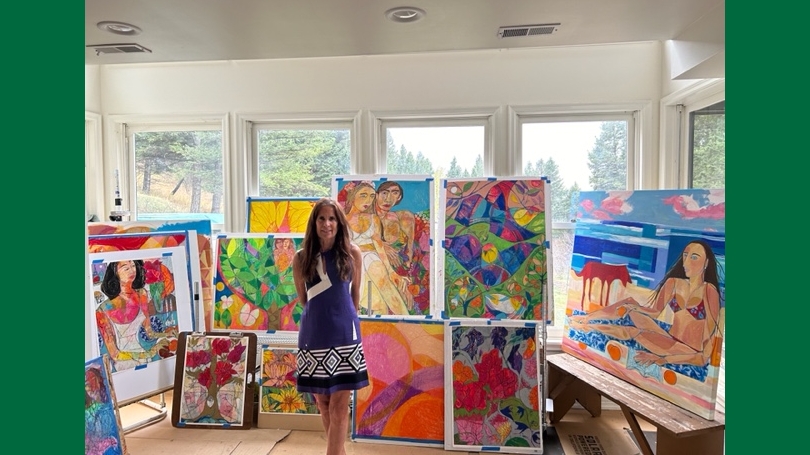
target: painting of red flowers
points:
(214, 380)
(495, 375)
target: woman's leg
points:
(323, 407)
(339, 422)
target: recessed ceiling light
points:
(119, 28)
(405, 14)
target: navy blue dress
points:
(330, 351)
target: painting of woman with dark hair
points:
(688, 295)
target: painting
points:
(124, 242)
(103, 433)
(276, 215)
(199, 237)
(646, 295)
(214, 380)
(390, 218)
(278, 393)
(139, 301)
(404, 402)
(494, 248)
(254, 283)
(495, 401)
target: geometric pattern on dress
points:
(356, 358)
(306, 363)
(331, 362)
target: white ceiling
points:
(203, 30)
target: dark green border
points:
(44, 293)
(766, 162)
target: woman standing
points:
(327, 272)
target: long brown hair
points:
(710, 273)
(311, 248)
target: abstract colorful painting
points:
(405, 400)
(125, 242)
(200, 232)
(139, 302)
(390, 218)
(646, 296)
(279, 378)
(494, 248)
(103, 434)
(496, 396)
(275, 215)
(214, 380)
(254, 283)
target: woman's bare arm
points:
(298, 278)
(357, 275)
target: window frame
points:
(529, 115)
(674, 161)
(125, 127)
(383, 120)
(94, 190)
(246, 163)
(687, 139)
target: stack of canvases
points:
(143, 277)
(452, 336)
(482, 333)
(646, 300)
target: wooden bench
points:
(678, 430)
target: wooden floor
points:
(577, 433)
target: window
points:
(178, 173)
(576, 154)
(301, 161)
(707, 146)
(441, 151)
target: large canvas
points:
(103, 433)
(279, 378)
(254, 283)
(214, 380)
(124, 242)
(275, 215)
(404, 402)
(495, 401)
(390, 218)
(200, 232)
(646, 296)
(494, 243)
(139, 302)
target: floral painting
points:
(494, 248)
(405, 399)
(103, 434)
(390, 219)
(496, 393)
(201, 230)
(646, 294)
(211, 387)
(254, 283)
(279, 215)
(279, 377)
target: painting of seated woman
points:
(646, 300)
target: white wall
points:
(92, 89)
(570, 75)
(493, 80)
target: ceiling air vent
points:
(125, 48)
(527, 30)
